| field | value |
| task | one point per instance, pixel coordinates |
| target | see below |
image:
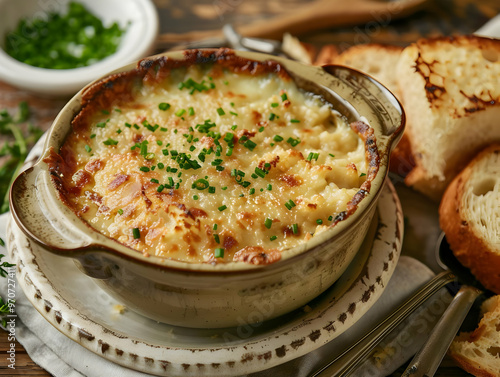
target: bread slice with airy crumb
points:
(376, 60)
(450, 88)
(478, 352)
(469, 215)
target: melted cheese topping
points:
(225, 163)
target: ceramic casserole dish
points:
(199, 186)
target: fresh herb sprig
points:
(4, 310)
(15, 151)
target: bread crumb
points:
(120, 309)
(380, 355)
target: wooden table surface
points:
(437, 17)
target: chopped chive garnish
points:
(219, 168)
(149, 156)
(165, 152)
(224, 188)
(192, 148)
(128, 125)
(88, 149)
(195, 197)
(191, 111)
(330, 218)
(290, 204)
(294, 121)
(110, 142)
(275, 104)
(136, 126)
(228, 137)
(232, 104)
(215, 227)
(262, 129)
(101, 124)
(362, 174)
(160, 188)
(251, 191)
(160, 165)
(332, 155)
(120, 211)
(261, 173)
(159, 143)
(164, 106)
(234, 127)
(229, 152)
(295, 228)
(293, 142)
(249, 144)
(180, 112)
(118, 110)
(284, 97)
(233, 113)
(136, 233)
(154, 180)
(216, 238)
(272, 116)
(118, 131)
(277, 138)
(219, 252)
(310, 156)
(319, 221)
(269, 187)
(268, 223)
(220, 111)
(92, 136)
(211, 189)
(222, 208)
(144, 169)
(272, 238)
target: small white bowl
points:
(138, 16)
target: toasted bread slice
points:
(478, 352)
(450, 88)
(469, 215)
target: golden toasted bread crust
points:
(451, 105)
(467, 245)
(471, 368)
(477, 352)
(434, 81)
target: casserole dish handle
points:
(377, 102)
(38, 215)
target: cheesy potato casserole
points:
(211, 162)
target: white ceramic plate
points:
(77, 307)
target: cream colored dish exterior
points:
(222, 295)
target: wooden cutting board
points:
(295, 17)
